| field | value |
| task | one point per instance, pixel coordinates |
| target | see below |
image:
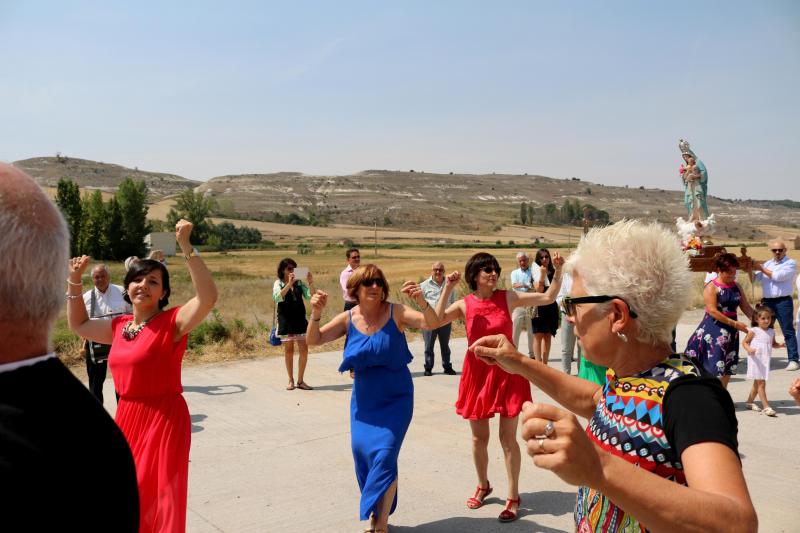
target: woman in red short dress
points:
(146, 352)
(488, 389)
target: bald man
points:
(431, 291)
(64, 463)
(777, 281)
(103, 302)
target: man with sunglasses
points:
(431, 291)
(353, 262)
(777, 276)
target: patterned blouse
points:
(628, 423)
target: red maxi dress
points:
(488, 389)
(154, 418)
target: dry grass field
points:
(245, 281)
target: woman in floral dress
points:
(715, 342)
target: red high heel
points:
(474, 502)
(507, 515)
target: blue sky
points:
(597, 90)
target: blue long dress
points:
(380, 407)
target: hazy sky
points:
(597, 90)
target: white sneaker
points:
(793, 365)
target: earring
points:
(622, 336)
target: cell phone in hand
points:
(301, 273)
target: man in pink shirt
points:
(353, 262)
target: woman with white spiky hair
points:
(660, 451)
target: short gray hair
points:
(642, 263)
(100, 266)
(520, 255)
(34, 249)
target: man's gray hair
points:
(520, 255)
(34, 249)
(100, 266)
(641, 263)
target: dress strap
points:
(391, 311)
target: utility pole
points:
(376, 236)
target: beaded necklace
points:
(129, 331)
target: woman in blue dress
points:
(715, 342)
(383, 394)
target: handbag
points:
(274, 340)
(97, 353)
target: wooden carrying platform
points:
(707, 256)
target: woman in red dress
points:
(485, 390)
(146, 353)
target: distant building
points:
(161, 240)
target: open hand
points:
(318, 301)
(567, 452)
(290, 279)
(498, 350)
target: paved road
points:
(264, 459)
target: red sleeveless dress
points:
(488, 389)
(154, 418)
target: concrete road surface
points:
(264, 459)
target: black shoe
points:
(428, 373)
(449, 371)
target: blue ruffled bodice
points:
(386, 347)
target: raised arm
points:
(456, 310)
(530, 299)
(329, 332)
(96, 330)
(193, 312)
(407, 317)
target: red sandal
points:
(507, 515)
(474, 502)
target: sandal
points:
(290, 386)
(753, 407)
(474, 502)
(507, 515)
(303, 385)
(769, 411)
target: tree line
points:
(116, 228)
(570, 212)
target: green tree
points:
(131, 197)
(195, 208)
(523, 213)
(68, 199)
(114, 229)
(531, 214)
(93, 237)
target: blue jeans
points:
(430, 336)
(784, 312)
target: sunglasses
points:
(438, 270)
(568, 303)
(490, 269)
(373, 282)
(778, 250)
(356, 257)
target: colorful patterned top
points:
(628, 423)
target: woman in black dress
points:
(545, 321)
(288, 293)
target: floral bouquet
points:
(692, 245)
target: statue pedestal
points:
(707, 256)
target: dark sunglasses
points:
(356, 257)
(373, 282)
(568, 303)
(778, 250)
(490, 269)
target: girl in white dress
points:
(758, 343)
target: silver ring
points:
(541, 445)
(549, 429)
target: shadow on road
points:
(459, 524)
(216, 390)
(195, 420)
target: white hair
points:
(34, 249)
(642, 263)
(100, 266)
(520, 255)
(130, 261)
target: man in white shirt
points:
(64, 464)
(777, 276)
(522, 281)
(103, 302)
(431, 291)
(567, 327)
(353, 262)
